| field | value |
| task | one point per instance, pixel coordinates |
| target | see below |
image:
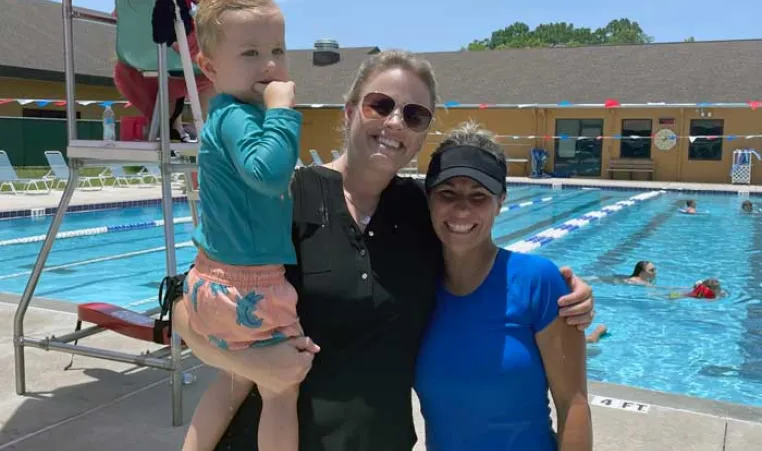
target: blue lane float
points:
(526, 204)
(551, 234)
(97, 231)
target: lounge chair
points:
(60, 172)
(150, 171)
(316, 160)
(8, 177)
(121, 178)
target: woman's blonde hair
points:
(392, 59)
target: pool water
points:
(686, 346)
(706, 349)
(134, 263)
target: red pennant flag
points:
(127, 105)
(754, 104)
(4, 101)
(483, 106)
(60, 103)
(611, 103)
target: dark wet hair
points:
(639, 267)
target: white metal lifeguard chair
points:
(83, 153)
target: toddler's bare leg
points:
(214, 411)
(278, 424)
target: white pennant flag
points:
(692, 138)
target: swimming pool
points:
(704, 349)
(709, 350)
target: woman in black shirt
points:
(368, 263)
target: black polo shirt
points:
(365, 298)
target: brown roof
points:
(31, 37)
(723, 71)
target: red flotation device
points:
(133, 324)
(125, 322)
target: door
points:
(580, 153)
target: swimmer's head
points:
(713, 284)
(645, 270)
(747, 206)
(690, 203)
(242, 43)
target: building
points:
(530, 97)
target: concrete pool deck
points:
(100, 404)
(9, 202)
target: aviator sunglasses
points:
(376, 105)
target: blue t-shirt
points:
(246, 160)
(480, 377)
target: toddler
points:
(236, 294)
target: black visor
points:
(484, 167)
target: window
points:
(639, 147)
(579, 153)
(703, 148)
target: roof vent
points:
(326, 52)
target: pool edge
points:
(85, 207)
(693, 404)
(40, 303)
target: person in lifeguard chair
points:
(141, 91)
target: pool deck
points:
(100, 404)
(9, 202)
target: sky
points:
(448, 25)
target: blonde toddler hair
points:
(209, 27)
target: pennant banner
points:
(692, 138)
(608, 104)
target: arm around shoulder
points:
(265, 152)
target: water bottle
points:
(109, 124)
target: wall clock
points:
(665, 139)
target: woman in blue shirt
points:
(496, 342)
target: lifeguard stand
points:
(134, 22)
(740, 172)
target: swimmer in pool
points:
(703, 289)
(643, 274)
(748, 207)
(690, 207)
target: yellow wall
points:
(33, 89)
(322, 129)
(321, 133)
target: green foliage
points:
(518, 35)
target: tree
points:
(689, 39)
(519, 35)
